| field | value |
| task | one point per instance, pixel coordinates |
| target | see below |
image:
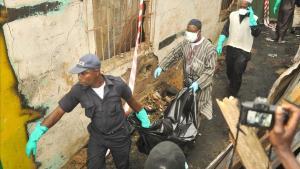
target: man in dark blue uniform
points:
(100, 95)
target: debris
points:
(269, 39)
(156, 96)
(248, 146)
(280, 71)
(156, 104)
(168, 99)
(272, 55)
(281, 42)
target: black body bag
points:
(179, 123)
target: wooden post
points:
(249, 147)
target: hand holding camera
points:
(282, 134)
(282, 122)
(259, 114)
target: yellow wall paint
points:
(13, 117)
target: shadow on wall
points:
(14, 114)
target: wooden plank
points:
(249, 147)
(221, 161)
(287, 86)
(280, 85)
(297, 56)
(292, 94)
(296, 20)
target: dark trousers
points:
(119, 144)
(236, 63)
(284, 21)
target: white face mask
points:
(243, 11)
(191, 36)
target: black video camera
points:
(258, 113)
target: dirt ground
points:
(268, 60)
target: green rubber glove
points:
(143, 117)
(194, 87)
(221, 40)
(252, 21)
(157, 72)
(276, 6)
(34, 137)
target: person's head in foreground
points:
(166, 155)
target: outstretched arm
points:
(173, 56)
(141, 114)
(41, 129)
(66, 104)
(136, 106)
(53, 118)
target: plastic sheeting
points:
(179, 123)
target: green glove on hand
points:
(276, 6)
(221, 40)
(143, 117)
(157, 72)
(252, 21)
(194, 87)
(34, 138)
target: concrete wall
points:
(172, 16)
(41, 50)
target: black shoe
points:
(293, 30)
(280, 40)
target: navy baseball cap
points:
(89, 61)
(195, 22)
(166, 155)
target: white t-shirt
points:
(100, 90)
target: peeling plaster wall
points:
(172, 17)
(41, 50)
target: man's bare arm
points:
(54, 116)
(136, 106)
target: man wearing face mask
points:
(199, 61)
(239, 31)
